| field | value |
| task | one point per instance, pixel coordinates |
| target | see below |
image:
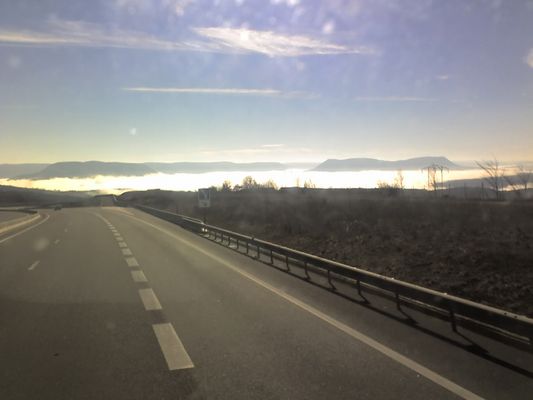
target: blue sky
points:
(285, 80)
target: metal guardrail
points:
(455, 307)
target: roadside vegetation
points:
(480, 250)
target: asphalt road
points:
(10, 215)
(111, 303)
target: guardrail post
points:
(307, 276)
(398, 304)
(287, 262)
(247, 247)
(258, 253)
(330, 282)
(452, 320)
(359, 288)
(271, 257)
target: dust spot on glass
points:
(14, 62)
(329, 27)
(41, 244)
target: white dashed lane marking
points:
(149, 300)
(131, 261)
(138, 276)
(171, 346)
(56, 241)
(32, 267)
(173, 350)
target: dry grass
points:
(478, 250)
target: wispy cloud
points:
(78, 33)
(529, 58)
(272, 146)
(396, 99)
(256, 151)
(144, 7)
(222, 91)
(210, 39)
(275, 44)
(290, 3)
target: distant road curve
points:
(13, 224)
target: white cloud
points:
(271, 146)
(290, 3)
(212, 39)
(396, 99)
(529, 58)
(150, 6)
(222, 91)
(443, 77)
(274, 44)
(255, 151)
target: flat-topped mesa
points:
(367, 164)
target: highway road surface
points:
(10, 215)
(112, 303)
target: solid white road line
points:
(25, 230)
(173, 350)
(138, 276)
(149, 300)
(122, 244)
(32, 267)
(131, 261)
(126, 252)
(393, 355)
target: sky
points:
(258, 80)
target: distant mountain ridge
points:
(14, 170)
(87, 169)
(79, 169)
(367, 164)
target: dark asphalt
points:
(73, 326)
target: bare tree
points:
(523, 176)
(494, 175)
(249, 183)
(308, 184)
(519, 180)
(226, 186)
(399, 180)
(270, 184)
